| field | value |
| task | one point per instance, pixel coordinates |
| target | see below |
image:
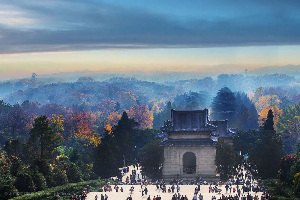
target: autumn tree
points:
(141, 115)
(112, 120)
(81, 125)
(57, 124)
(263, 115)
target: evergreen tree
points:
(43, 138)
(224, 106)
(105, 164)
(268, 150)
(226, 159)
(269, 123)
(152, 159)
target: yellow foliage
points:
(264, 113)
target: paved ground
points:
(187, 190)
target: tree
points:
(105, 164)
(38, 179)
(142, 115)
(263, 115)
(268, 150)
(224, 106)
(24, 182)
(226, 158)
(43, 138)
(123, 135)
(286, 162)
(245, 140)
(269, 123)
(73, 173)
(288, 126)
(152, 159)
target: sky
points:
(146, 35)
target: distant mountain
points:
(286, 69)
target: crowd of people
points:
(242, 186)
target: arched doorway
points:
(189, 163)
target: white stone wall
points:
(205, 160)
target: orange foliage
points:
(266, 102)
(82, 124)
(142, 115)
(112, 120)
(263, 115)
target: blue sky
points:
(37, 27)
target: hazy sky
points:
(65, 35)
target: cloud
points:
(39, 26)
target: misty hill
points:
(131, 90)
(127, 91)
(293, 70)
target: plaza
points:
(187, 190)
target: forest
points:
(53, 133)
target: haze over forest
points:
(85, 86)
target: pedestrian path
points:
(187, 190)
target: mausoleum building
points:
(189, 146)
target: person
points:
(200, 196)
(149, 198)
(146, 191)
(178, 188)
(96, 197)
(105, 197)
(173, 188)
(154, 198)
(121, 189)
(102, 197)
(195, 197)
(129, 198)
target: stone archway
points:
(189, 163)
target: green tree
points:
(123, 135)
(288, 126)
(152, 159)
(7, 188)
(224, 106)
(73, 173)
(286, 162)
(24, 182)
(105, 164)
(59, 176)
(43, 138)
(245, 140)
(38, 179)
(268, 150)
(226, 159)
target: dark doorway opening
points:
(189, 163)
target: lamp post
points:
(124, 160)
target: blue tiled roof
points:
(188, 142)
